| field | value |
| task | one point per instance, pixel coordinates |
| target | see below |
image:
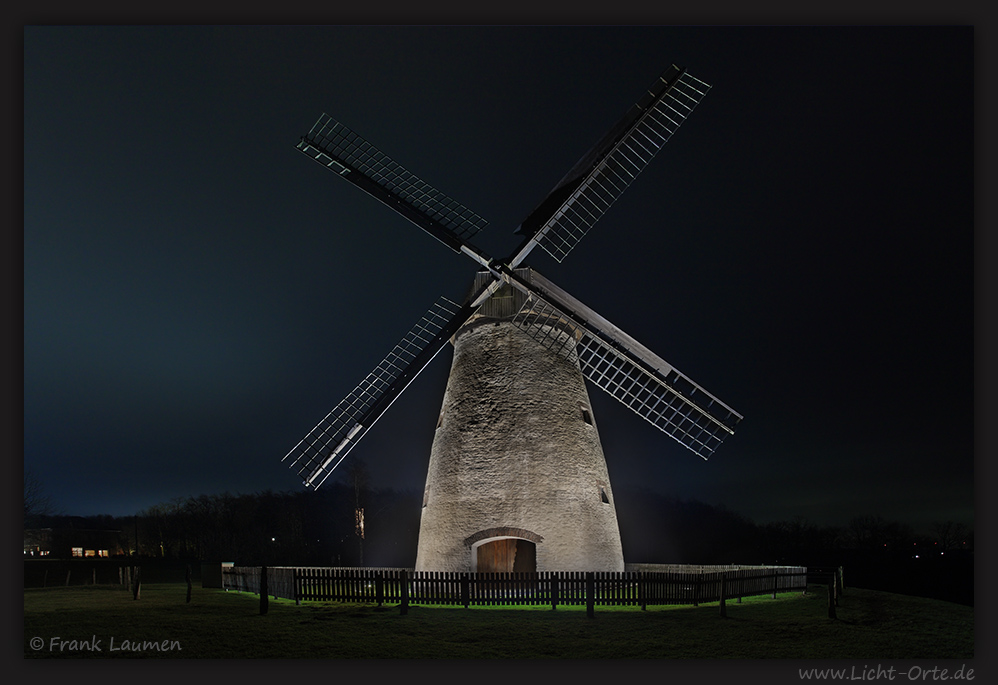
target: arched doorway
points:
(505, 555)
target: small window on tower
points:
(587, 416)
(602, 495)
(440, 420)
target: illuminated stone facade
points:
(516, 455)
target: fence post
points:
(465, 590)
(724, 611)
(136, 582)
(379, 587)
(775, 578)
(554, 590)
(642, 598)
(590, 594)
(838, 580)
(404, 590)
(264, 598)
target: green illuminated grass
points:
(217, 624)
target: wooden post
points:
(831, 596)
(838, 581)
(264, 597)
(136, 582)
(379, 587)
(590, 594)
(404, 590)
(776, 578)
(45, 578)
(465, 590)
(189, 586)
(295, 585)
(554, 590)
(642, 598)
(724, 612)
(68, 570)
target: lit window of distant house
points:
(89, 553)
(77, 551)
(102, 553)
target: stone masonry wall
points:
(517, 448)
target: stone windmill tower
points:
(517, 478)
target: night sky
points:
(198, 293)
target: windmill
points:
(517, 478)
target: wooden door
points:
(506, 555)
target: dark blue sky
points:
(198, 294)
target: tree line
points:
(350, 524)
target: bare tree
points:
(867, 532)
(36, 502)
(950, 534)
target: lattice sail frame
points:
(619, 167)
(347, 154)
(672, 403)
(652, 398)
(318, 454)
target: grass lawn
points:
(68, 622)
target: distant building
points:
(65, 543)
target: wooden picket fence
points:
(694, 585)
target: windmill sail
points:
(339, 149)
(627, 370)
(607, 356)
(674, 404)
(601, 176)
(325, 446)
